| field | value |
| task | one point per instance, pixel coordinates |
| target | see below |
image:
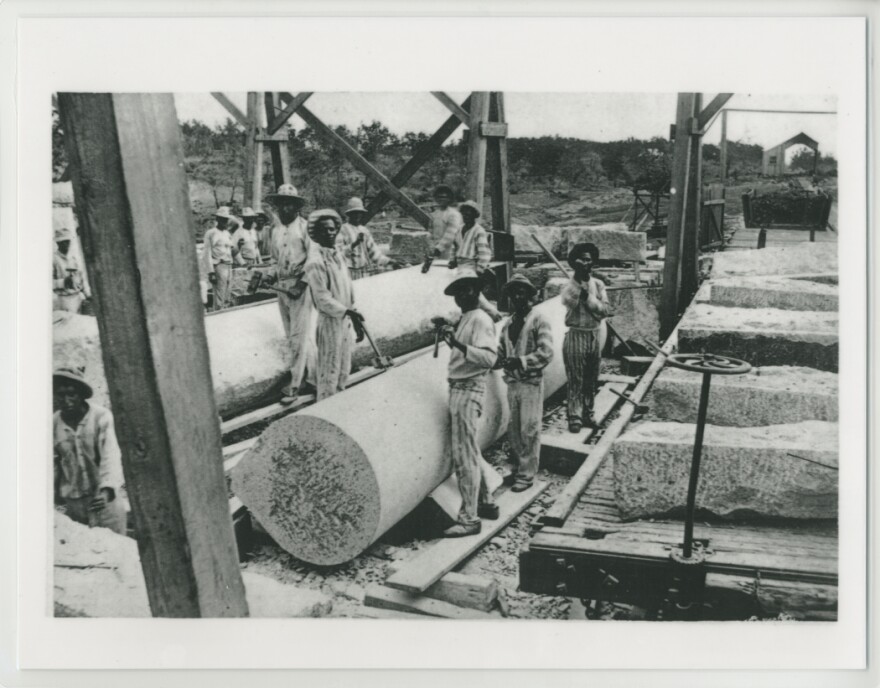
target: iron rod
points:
(695, 466)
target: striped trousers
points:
(465, 409)
(334, 340)
(223, 286)
(581, 355)
(298, 319)
(526, 400)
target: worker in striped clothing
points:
(471, 249)
(586, 303)
(362, 253)
(333, 296)
(473, 355)
(524, 350)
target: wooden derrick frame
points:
(482, 112)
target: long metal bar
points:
(695, 466)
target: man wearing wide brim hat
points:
(361, 252)
(245, 240)
(217, 258)
(87, 460)
(289, 246)
(68, 286)
(586, 304)
(524, 350)
(473, 354)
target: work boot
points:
(509, 479)
(521, 486)
(305, 389)
(574, 426)
(463, 530)
(488, 511)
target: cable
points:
(818, 463)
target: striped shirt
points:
(327, 275)
(366, 254)
(471, 247)
(445, 222)
(477, 332)
(533, 347)
(583, 299)
(87, 458)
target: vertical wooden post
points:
(723, 156)
(690, 262)
(678, 194)
(253, 164)
(476, 164)
(132, 203)
(278, 149)
(497, 153)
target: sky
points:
(591, 116)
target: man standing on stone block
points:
(290, 248)
(361, 252)
(333, 296)
(217, 257)
(525, 349)
(67, 281)
(586, 304)
(88, 463)
(474, 353)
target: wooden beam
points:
(493, 129)
(723, 155)
(360, 163)
(669, 304)
(419, 158)
(231, 108)
(476, 164)
(253, 163)
(278, 151)
(463, 115)
(434, 562)
(708, 113)
(386, 598)
(499, 190)
(690, 263)
(132, 203)
(293, 104)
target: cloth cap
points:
(355, 205)
(63, 234)
(580, 249)
(470, 204)
(286, 192)
(523, 282)
(462, 276)
(222, 211)
(316, 215)
(76, 375)
(248, 212)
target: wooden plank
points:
(126, 154)
(420, 573)
(278, 151)
(476, 162)
(419, 158)
(398, 600)
(464, 590)
(460, 113)
(612, 377)
(362, 164)
(708, 113)
(690, 263)
(571, 493)
(670, 304)
(253, 164)
(231, 108)
(293, 104)
(493, 129)
(606, 402)
(500, 188)
(378, 613)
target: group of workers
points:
(315, 260)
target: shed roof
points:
(798, 138)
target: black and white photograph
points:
(540, 370)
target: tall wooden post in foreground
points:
(477, 145)
(690, 256)
(133, 206)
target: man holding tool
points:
(360, 250)
(586, 304)
(525, 349)
(327, 276)
(473, 355)
(290, 248)
(88, 463)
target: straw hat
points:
(286, 192)
(470, 204)
(223, 211)
(523, 282)
(248, 212)
(63, 234)
(355, 205)
(580, 249)
(76, 375)
(462, 277)
(316, 215)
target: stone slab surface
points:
(615, 242)
(98, 573)
(777, 260)
(765, 396)
(762, 336)
(774, 292)
(745, 472)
